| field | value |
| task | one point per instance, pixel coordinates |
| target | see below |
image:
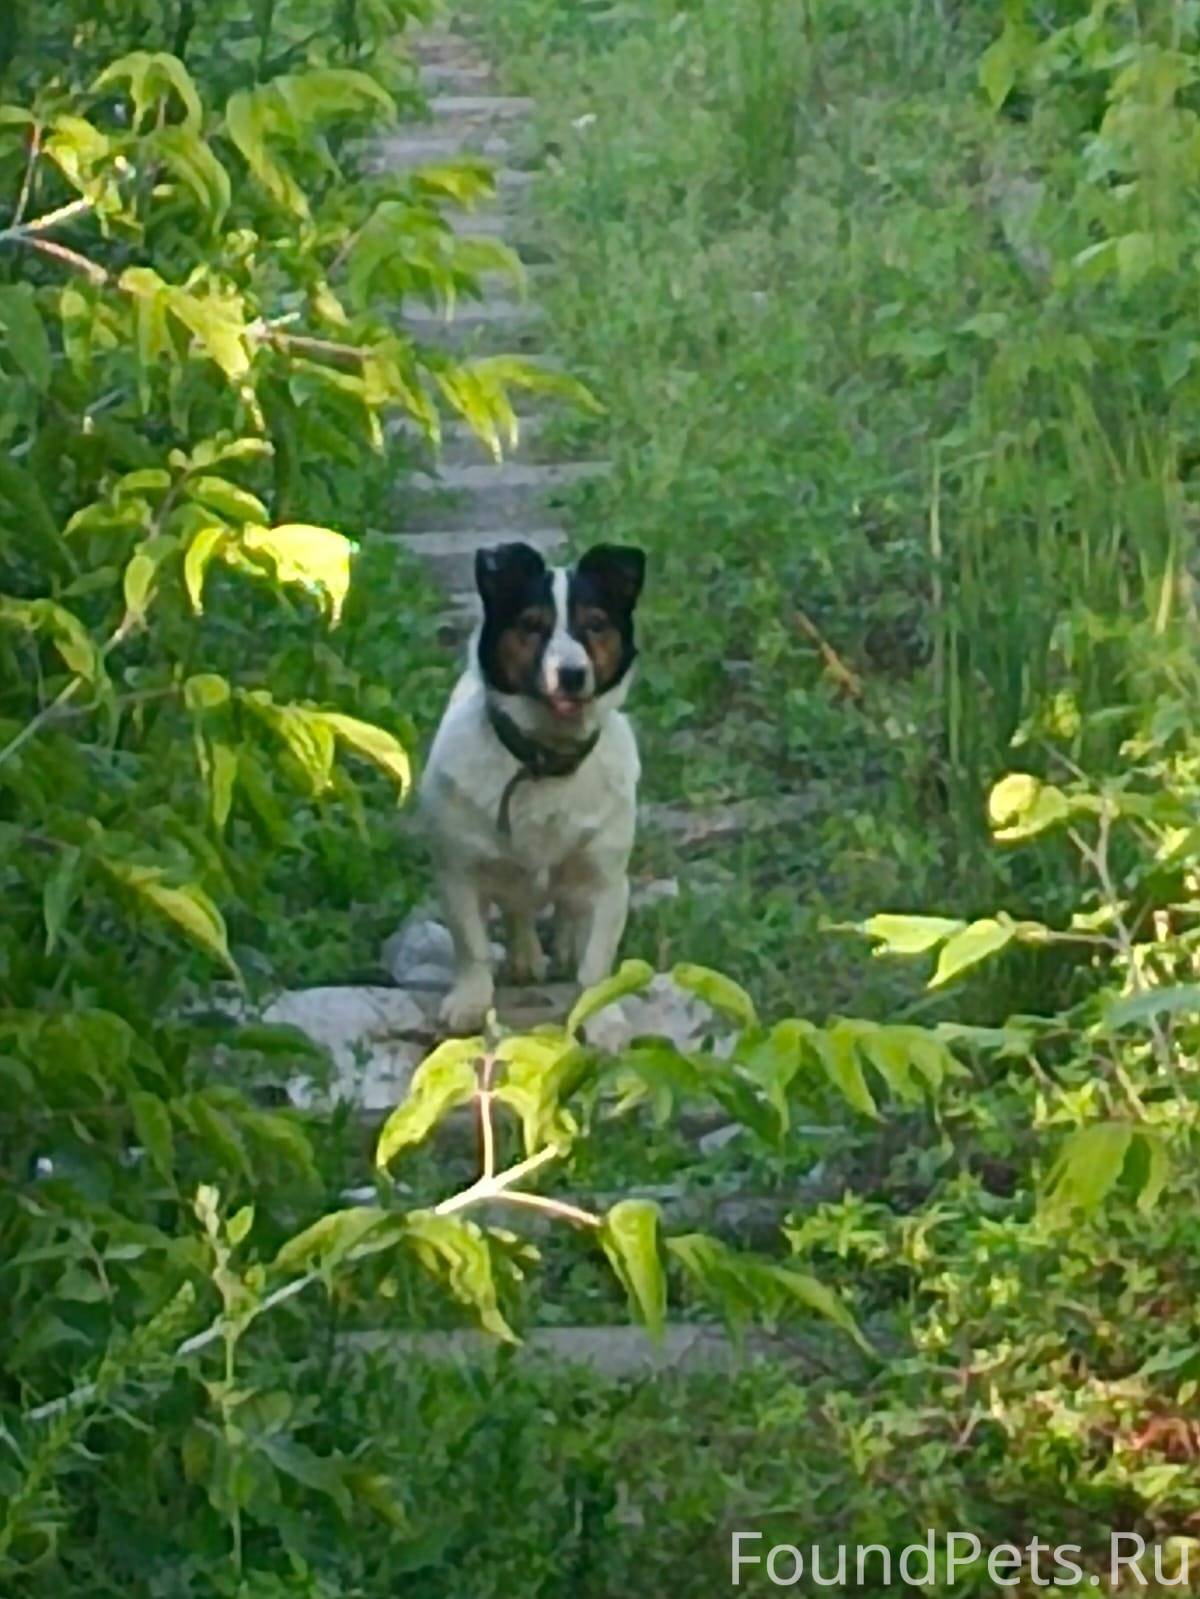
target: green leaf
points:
(444, 1080)
(209, 541)
(1003, 60)
(630, 1240)
(838, 1052)
(30, 512)
(629, 978)
(375, 744)
(541, 1072)
(187, 905)
(59, 894)
(68, 633)
(321, 93)
(656, 1070)
(308, 738)
(194, 164)
(152, 77)
(972, 944)
(218, 326)
(456, 1252)
(1088, 1165)
(25, 333)
(152, 1122)
(227, 499)
(252, 118)
(205, 691)
(334, 1238)
(811, 1294)
(741, 1284)
(223, 780)
(1021, 806)
(315, 557)
(324, 1474)
(1139, 1008)
(721, 992)
(141, 572)
(1157, 1169)
(909, 935)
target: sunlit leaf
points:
(1088, 1165)
(65, 630)
(629, 978)
(971, 945)
(315, 557)
(629, 1238)
(376, 745)
(227, 499)
(718, 991)
(194, 164)
(909, 935)
(152, 77)
(187, 905)
(456, 1252)
(444, 1080)
(207, 543)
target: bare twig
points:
(35, 150)
(500, 1186)
(189, 1346)
(1097, 858)
(92, 270)
(844, 676)
(18, 232)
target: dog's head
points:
(558, 640)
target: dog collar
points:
(536, 760)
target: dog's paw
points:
(568, 942)
(465, 1007)
(527, 961)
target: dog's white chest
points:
(473, 787)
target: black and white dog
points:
(530, 789)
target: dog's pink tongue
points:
(562, 705)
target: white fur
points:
(568, 847)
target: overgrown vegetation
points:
(892, 319)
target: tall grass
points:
(862, 358)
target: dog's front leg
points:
(610, 907)
(468, 1002)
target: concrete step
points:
(494, 324)
(467, 116)
(450, 552)
(454, 78)
(493, 499)
(613, 1352)
(507, 221)
(461, 446)
(416, 146)
(438, 46)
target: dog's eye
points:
(595, 625)
(529, 626)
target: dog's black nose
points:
(571, 679)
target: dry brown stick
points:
(844, 676)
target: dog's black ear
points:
(504, 570)
(617, 571)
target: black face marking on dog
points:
(541, 628)
(601, 594)
(518, 616)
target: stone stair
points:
(376, 1035)
(465, 501)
